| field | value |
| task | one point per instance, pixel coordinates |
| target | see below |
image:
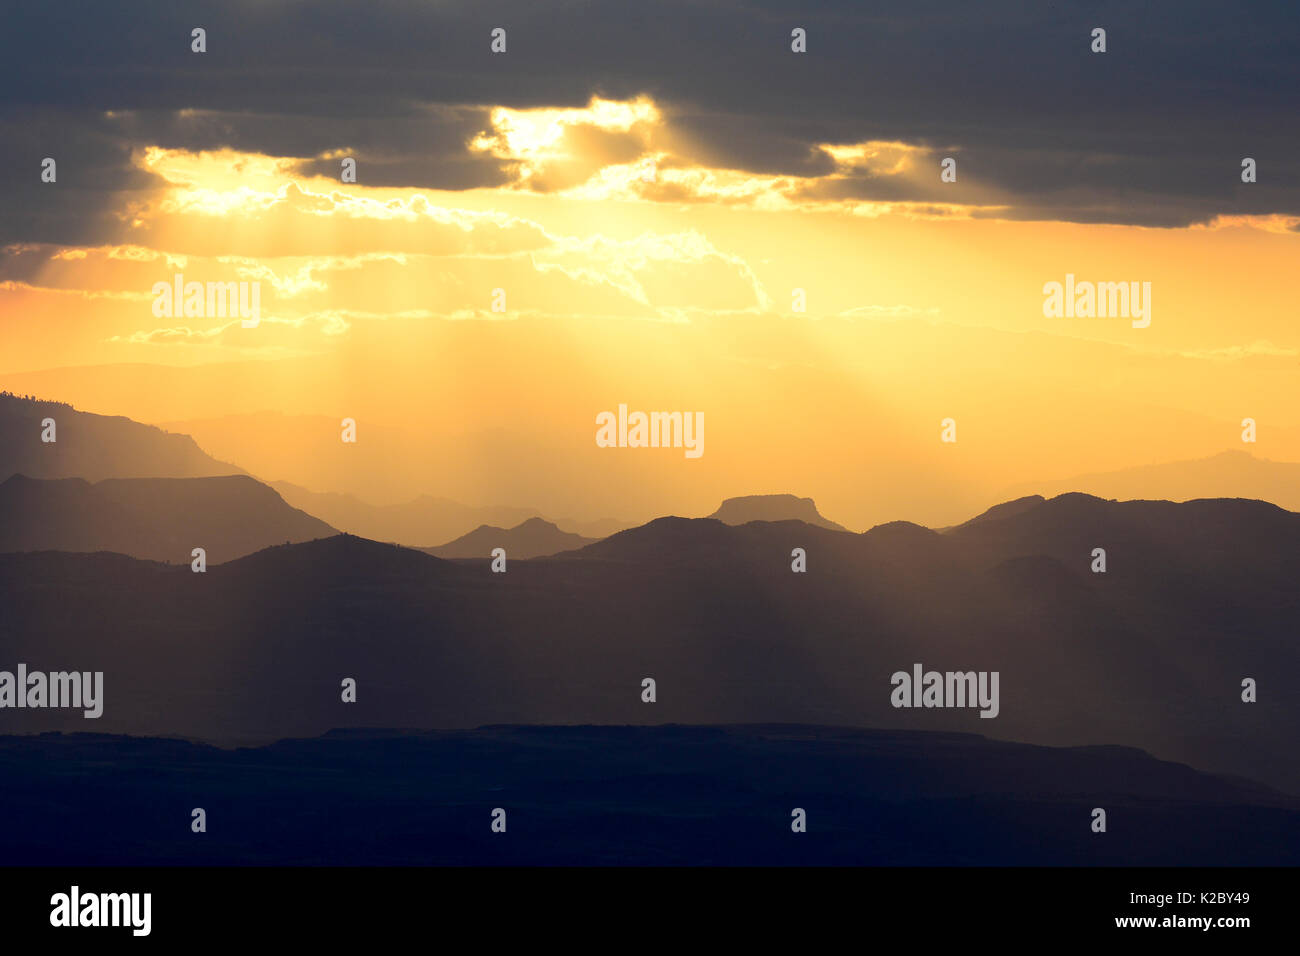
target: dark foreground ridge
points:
(583, 795)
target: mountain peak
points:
(532, 538)
(537, 524)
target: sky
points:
(671, 210)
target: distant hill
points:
(666, 795)
(94, 447)
(414, 523)
(422, 520)
(766, 545)
(1144, 537)
(336, 556)
(700, 542)
(533, 538)
(1150, 654)
(419, 477)
(1005, 510)
(158, 519)
(772, 508)
(1229, 474)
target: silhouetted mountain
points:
(696, 541)
(627, 795)
(593, 529)
(158, 519)
(772, 508)
(336, 557)
(1229, 474)
(413, 524)
(767, 545)
(903, 535)
(533, 538)
(396, 464)
(424, 519)
(1155, 537)
(1005, 510)
(94, 447)
(1196, 597)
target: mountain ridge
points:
(1227, 474)
(95, 447)
(158, 519)
(718, 617)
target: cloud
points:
(273, 336)
(1150, 133)
(1281, 225)
(886, 311)
(550, 149)
(662, 272)
(1254, 350)
(9, 285)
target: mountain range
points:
(1109, 622)
(1196, 597)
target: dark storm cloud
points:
(94, 170)
(411, 144)
(1151, 132)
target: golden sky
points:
(668, 291)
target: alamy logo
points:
(1086, 300)
(103, 909)
(950, 689)
(56, 689)
(652, 430)
(196, 300)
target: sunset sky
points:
(525, 171)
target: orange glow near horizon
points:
(673, 290)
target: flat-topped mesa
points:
(736, 511)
